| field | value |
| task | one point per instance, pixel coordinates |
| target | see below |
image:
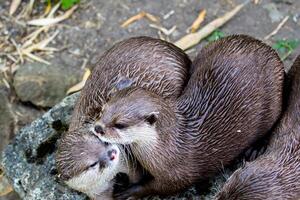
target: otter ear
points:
(151, 118)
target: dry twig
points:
(275, 31)
(194, 38)
(14, 6)
(5, 187)
(138, 17)
(81, 84)
(50, 21)
(165, 31)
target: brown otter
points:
(97, 164)
(233, 97)
(153, 64)
(275, 174)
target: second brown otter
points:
(274, 175)
(233, 97)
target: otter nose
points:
(112, 154)
(98, 129)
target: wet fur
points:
(153, 64)
(274, 175)
(93, 181)
(233, 97)
(150, 63)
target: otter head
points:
(86, 164)
(131, 116)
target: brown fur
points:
(233, 97)
(153, 64)
(79, 151)
(149, 63)
(274, 175)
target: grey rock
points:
(6, 117)
(43, 85)
(29, 164)
(11, 196)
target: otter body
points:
(233, 97)
(275, 174)
(153, 64)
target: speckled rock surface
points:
(44, 85)
(29, 161)
(6, 120)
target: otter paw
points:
(123, 196)
(132, 193)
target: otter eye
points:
(120, 126)
(94, 164)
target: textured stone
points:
(6, 117)
(43, 85)
(29, 161)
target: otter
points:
(233, 97)
(95, 162)
(153, 64)
(275, 174)
(92, 165)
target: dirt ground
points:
(95, 27)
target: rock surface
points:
(6, 117)
(44, 85)
(29, 161)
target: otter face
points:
(86, 164)
(127, 119)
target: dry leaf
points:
(196, 24)
(192, 39)
(81, 84)
(29, 8)
(133, 19)
(164, 30)
(32, 36)
(14, 6)
(48, 8)
(5, 187)
(138, 17)
(53, 10)
(36, 58)
(42, 44)
(151, 17)
(50, 21)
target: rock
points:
(44, 85)
(29, 161)
(29, 164)
(11, 196)
(6, 117)
(274, 14)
